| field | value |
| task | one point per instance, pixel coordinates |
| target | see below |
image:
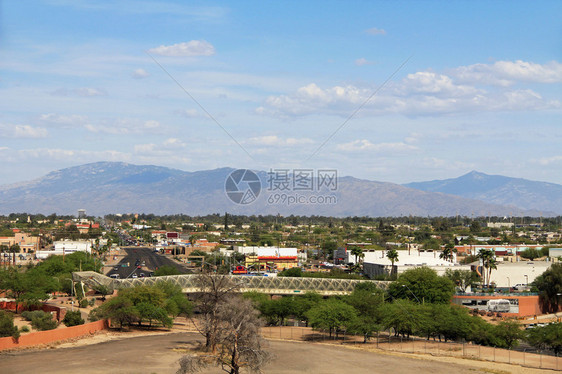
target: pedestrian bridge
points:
(191, 283)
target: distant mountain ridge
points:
(116, 187)
(497, 189)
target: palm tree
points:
(392, 255)
(489, 262)
(448, 252)
(357, 252)
(3, 249)
(14, 248)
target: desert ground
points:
(159, 353)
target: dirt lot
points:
(160, 353)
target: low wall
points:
(58, 312)
(44, 337)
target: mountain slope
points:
(501, 190)
(110, 187)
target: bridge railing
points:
(271, 285)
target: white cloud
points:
(71, 154)
(124, 126)
(375, 31)
(431, 83)
(505, 73)
(22, 131)
(549, 160)
(151, 124)
(366, 145)
(189, 113)
(189, 49)
(62, 119)
(140, 74)
(274, 140)
(173, 143)
(420, 93)
(80, 92)
(363, 61)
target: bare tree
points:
(238, 340)
(214, 290)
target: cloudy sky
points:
(387, 91)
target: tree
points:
(489, 262)
(530, 253)
(238, 340)
(73, 318)
(14, 248)
(448, 252)
(4, 249)
(546, 337)
(549, 285)
(7, 327)
(357, 252)
(119, 310)
(462, 278)
(392, 255)
(29, 287)
(292, 272)
(166, 270)
(507, 334)
(403, 316)
(103, 290)
(366, 301)
(214, 290)
(422, 285)
(331, 315)
(451, 321)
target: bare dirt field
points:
(110, 353)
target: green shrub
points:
(40, 320)
(83, 303)
(92, 302)
(73, 318)
(7, 327)
(30, 315)
(25, 328)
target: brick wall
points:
(44, 337)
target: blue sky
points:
(480, 87)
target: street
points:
(141, 262)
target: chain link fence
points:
(388, 342)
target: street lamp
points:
(526, 279)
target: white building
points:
(66, 247)
(376, 263)
(509, 274)
(265, 252)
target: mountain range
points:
(497, 189)
(115, 187)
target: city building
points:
(66, 247)
(376, 263)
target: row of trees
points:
(369, 309)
